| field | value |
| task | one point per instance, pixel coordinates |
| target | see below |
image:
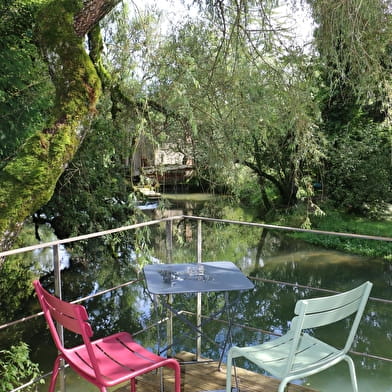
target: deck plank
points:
(200, 377)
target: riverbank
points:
(332, 220)
(337, 221)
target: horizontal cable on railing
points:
(22, 320)
(373, 356)
(87, 236)
(288, 228)
(382, 300)
(105, 291)
(35, 381)
(191, 217)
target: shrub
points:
(16, 367)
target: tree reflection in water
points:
(261, 254)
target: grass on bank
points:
(337, 221)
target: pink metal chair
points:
(104, 362)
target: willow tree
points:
(248, 101)
(354, 41)
(29, 178)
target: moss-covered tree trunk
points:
(28, 181)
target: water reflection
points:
(43, 258)
(270, 255)
(261, 254)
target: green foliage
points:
(92, 194)
(353, 39)
(354, 44)
(221, 241)
(244, 187)
(16, 275)
(28, 179)
(223, 95)
(77, 83)
(25, 87)
(359, 175)
(16, 368)
(238, 105)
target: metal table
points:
(214, 276)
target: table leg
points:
(198, 326)
(169, 325)
(155, 301)
(229, 338)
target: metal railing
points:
(55, 245)
(169, 240)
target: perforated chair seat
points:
(311, 355)
(135, 359)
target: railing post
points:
(169, 256)
(199, 241)
(57, 271)
(198, 305)
(58, 293)
(169, 240)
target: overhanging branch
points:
(93, 11)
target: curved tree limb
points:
(91, 13)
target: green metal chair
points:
(297, 354)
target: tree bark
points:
(92, 11)
(28, 180)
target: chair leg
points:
(175, 366)
(133, 384)
(353, 376)
(56, 368)
(228, 372)
(282, 386)
(177, 378)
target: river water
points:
(261, 255)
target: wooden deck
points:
(199, 377)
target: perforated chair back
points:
(72, 317)
(297, 354)
(104, 362)
(318, 312)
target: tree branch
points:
(91, 13)
(27, 181)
